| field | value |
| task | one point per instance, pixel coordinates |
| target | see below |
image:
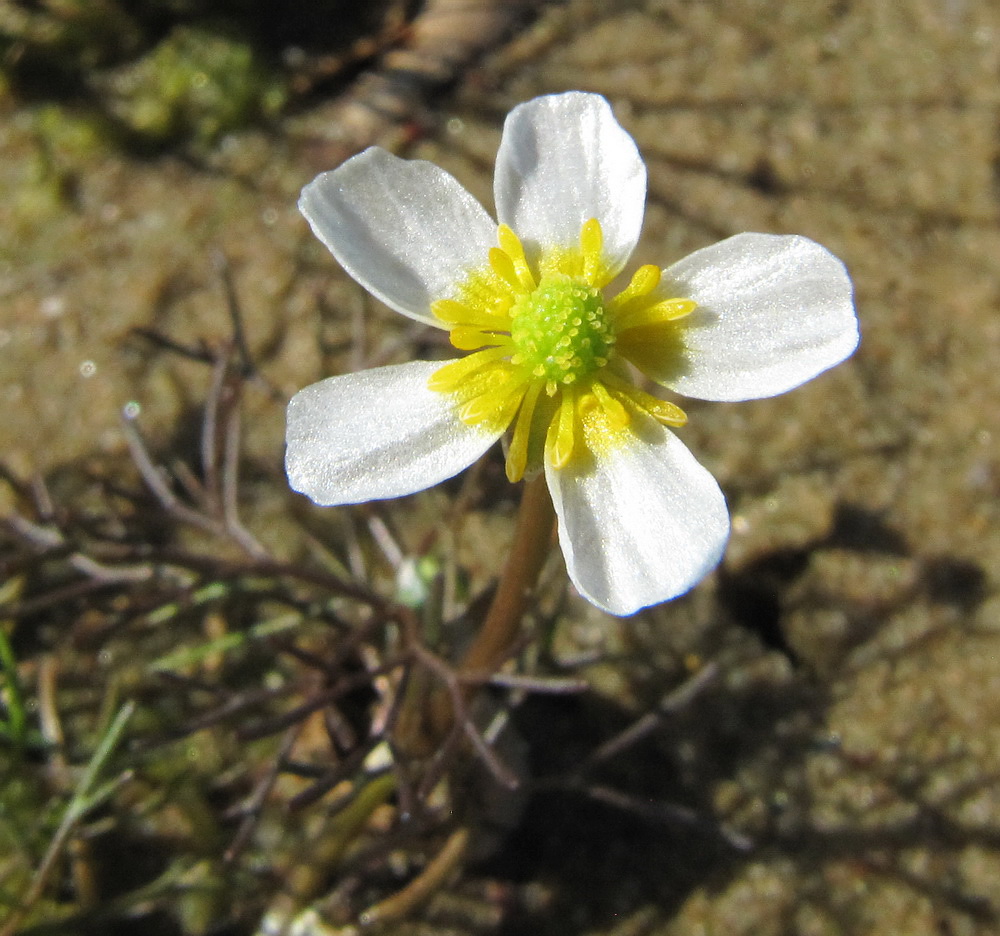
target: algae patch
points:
(195, 85)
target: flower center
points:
(561, 330)
(550, 351)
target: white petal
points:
(640, 524)
(563, 160)
(406, 230)
(773, 312)
(376, 434)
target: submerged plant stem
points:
(425, 722)
(532, 539)
(502, 625)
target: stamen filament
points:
(450, 376)
(511, 245)
(664, 412)
(496, 406)
(504, 267)
(559, 439)
(643, 282)
(457, 313)
(517, 452)
(616, 413)
(468, 339)
(592, 247)
(668, 310)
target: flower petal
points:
(639, 524)
(773, 312)
(564, 159)
(376, 434)
(406, 230)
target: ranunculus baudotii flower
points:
(557, 355)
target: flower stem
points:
(502, 625)
(424, 722)
(532, 538)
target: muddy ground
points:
(841, 765)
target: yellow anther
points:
(643, 282)
(663, 412)
(616, 414)
(511, 245)
(496, 407)
(469, 339)
(592, 249)
(509, 242)
(517, 452)
(452, 375)
(504, 267)
(559, 439)
(479, 408)
(458, 313)
(669, 310)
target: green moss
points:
(195, 86)
(48, 147)
(71, 135)
(49, 47)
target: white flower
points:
(554, 359)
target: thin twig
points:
(43, 499)
(210, 430)
(461, 718)
(230, 485)
(285, 719)
(50, 538)
(346, 769)
(49, 720)
(646, 724)
(253, 808)
(221, 263)
(154, 481)
(663, 812)
(551, 685)
(202, 354)
(423, 886)
(54, 598)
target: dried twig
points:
(675, 700)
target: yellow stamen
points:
(504, 267)
(559, 439)
(546, 326)
(452, 375)
(494, 378)
(458, 313)
(592, 249)
(643, 282)
(662, 411)
(668, 310)
(617, 416)
(495, 407)
(517, 453)
(511, 245)
(468, 339)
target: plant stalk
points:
(532, 539)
